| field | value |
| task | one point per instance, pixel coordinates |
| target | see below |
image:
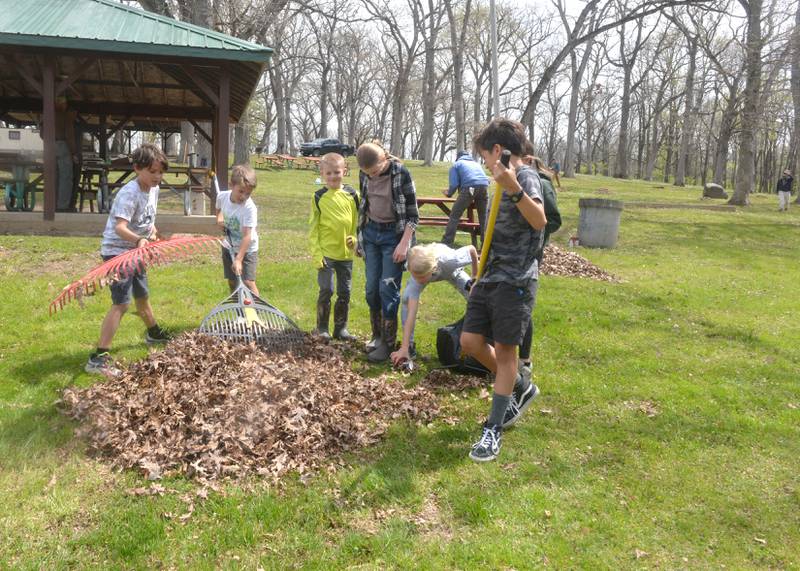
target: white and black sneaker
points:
(488, 447)
(103, 364)
(520, 401)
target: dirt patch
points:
(208, 409)
(559, 262)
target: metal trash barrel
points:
(598, 225)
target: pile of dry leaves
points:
(558, 262)
(210, 410)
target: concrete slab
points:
(88, 224)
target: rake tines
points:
(153, 254)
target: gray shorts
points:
(249, 264)
(500, 311)
(134, 284)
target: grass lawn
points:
(667, 434)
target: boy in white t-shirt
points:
(431, 263)
(131, 224)
(238, 215)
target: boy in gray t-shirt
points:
(131, 224)
(501, 301)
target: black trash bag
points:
(448, 349)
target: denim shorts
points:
(134, 284)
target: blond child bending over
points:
(426, 264)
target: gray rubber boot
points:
(375, 323)
(382, 351)
(323, 319)
(340, 311)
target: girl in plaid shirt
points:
(387, 218)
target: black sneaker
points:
(103, 364)
(488, 447)
(158, 337)
(520, 401)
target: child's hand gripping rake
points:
(505, 158)
(245, 317)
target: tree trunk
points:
(794, 152)
(621, 169)
(324, 88)
(745, 169)
(241, 145)
(723, 142)
(688, 116)
(457, 50)
(429, 101)
(572, 120)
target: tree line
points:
(678, 91)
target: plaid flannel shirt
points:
(404, 198)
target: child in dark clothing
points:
(501, 301)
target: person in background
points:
(785, 190)
(469, 179)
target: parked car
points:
(319, 147)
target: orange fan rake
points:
(154, 253)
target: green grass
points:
(701, 333)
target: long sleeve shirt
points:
(334, 217)
(465, 173)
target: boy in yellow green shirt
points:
(332, 238)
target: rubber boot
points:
(323, 318)
(375, 323)
(387, 345)
(340, 310)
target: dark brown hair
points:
(504, 132)
(147, 154)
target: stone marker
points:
(713, 190)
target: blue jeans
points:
(384, 276)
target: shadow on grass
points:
(387, 472)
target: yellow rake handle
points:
(505, 158)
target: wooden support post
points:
(221, 140)
(49, 138)
(103, 138)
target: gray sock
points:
(499, 405)
(521, 384)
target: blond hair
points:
(244, 174)
(370, 154)
(331, 159)
(423, 259)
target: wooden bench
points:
(468, 224)
(268, 162)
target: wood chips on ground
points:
(210, 409)
(559, 262)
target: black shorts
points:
(134, 284)
(500, 311)
(249, 265)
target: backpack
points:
(550, 209)
(448, 349)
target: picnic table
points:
(19, 191)
(468, 224)
(111, 176)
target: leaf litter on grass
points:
(559, 262)
(208, 409)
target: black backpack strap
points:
(318, 196)
(352, 192)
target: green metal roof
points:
(105, 25)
